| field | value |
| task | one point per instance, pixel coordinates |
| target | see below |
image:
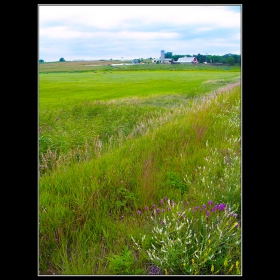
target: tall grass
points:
(106, 67)
(93, 212)
(83, 115)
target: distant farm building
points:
(180, 60)
(162, 56)
(164, 61)
(186, 59)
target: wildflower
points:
(221, 206)
(231, 267)
(139, 212)
(146, 208)
(168, 209)
(237, 263)
(166, 198)
(204, 206)
(184, 264)
(154, 205)
(233, 214)
(158, 210)
(154, 270)
(162, 210)
(210, 202)
(192, 261)
(163, 223)
(161, 201)
(214, 208)
(212, 268)
(225, 262)
(166, 272)
(235, 225)
(207, 213)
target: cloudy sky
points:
(93, 32)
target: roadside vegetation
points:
(140, 172)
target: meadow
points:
(139, 169)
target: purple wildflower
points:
(221, 206)
(139, 212)
(204, 206)
(163, 223)
(210, 202)
(207, 213)
(154, 270)
(161, 201)
(162, 210)
(158, 210)
(214, 208)
(154, 205)
(166, 198)
(146, 208)
(168, 209)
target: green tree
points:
(41, 60)
(168, 55)
(176, 56)
(61, 59)
(230, 60)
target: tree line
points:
(230, 59)
(227, 58)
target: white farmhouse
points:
(186, 59)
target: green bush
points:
(195, 240)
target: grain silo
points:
(162, 56)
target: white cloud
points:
(62, 32)
(137, 30)
(115, 16)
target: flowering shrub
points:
(197, 240)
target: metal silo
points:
(162, 55)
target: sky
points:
(125, 32)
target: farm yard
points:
(139, 169)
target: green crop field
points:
(122, 150)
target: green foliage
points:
(61, 59)
(195, 240)
(41, 60)
(123, 264)
(75, 124)
(125, 201)
(230, 60)
(168, 55)
(173, 180)
(176, 56)
(113, 145)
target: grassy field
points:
(139, 169)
